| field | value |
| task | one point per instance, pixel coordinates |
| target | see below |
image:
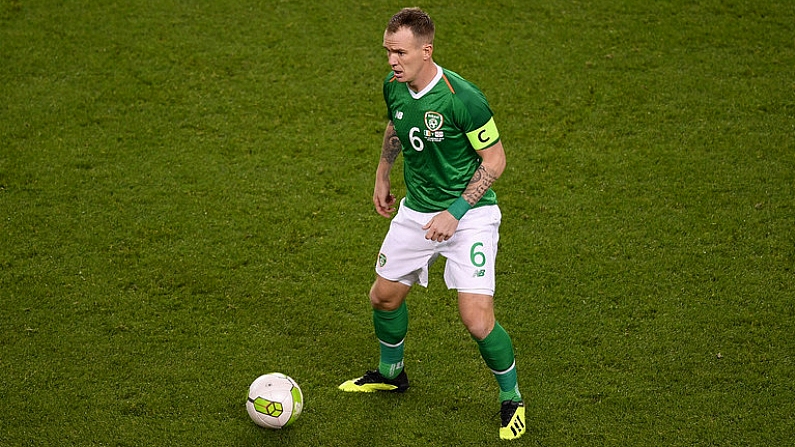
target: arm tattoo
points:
(392, 145)
(477, 187)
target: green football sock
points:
(391, 328)
(497, 351)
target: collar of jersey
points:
(430, 85)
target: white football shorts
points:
(406, 256)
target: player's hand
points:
(386, 207)
(441, 227)
(384, 201)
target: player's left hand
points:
(441, 227)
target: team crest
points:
(433, 121)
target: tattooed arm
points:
(443, 225)
(391, 147)
(383, 199)
(489, 171)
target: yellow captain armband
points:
(484, 136)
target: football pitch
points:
(185, 204)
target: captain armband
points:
(485, 136)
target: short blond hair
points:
(416, 20)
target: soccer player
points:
(452, 154)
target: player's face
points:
(406, 54)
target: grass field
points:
(185, 205)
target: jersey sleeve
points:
(477, 119)
(386, 95)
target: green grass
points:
(185, 204)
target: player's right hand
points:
(384, 204)
(383, 199)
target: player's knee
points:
(479, 330)
(479, 325)
(387, 296)
(375, 299)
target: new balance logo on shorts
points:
(479, 273)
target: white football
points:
(274, 401)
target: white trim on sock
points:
(500, 373)
(391, 345)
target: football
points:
(274, 401)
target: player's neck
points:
(425, 77)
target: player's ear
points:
(427, 51)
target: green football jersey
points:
(441, 129)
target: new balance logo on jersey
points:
(398, 115)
